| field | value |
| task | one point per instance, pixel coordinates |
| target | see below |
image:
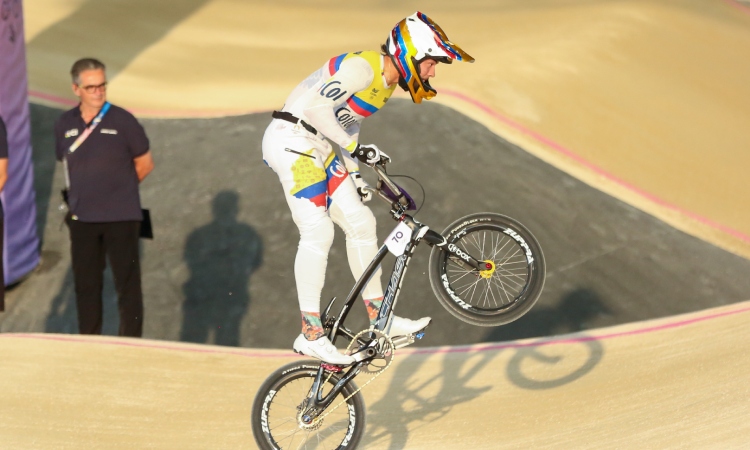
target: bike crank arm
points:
(314, 405)
(436, 239)
(364, 355)
(322, 407)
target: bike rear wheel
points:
(496, 296)
(275, 420)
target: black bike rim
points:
(283, 432)
(510, 280)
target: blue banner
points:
(21, 242)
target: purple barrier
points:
(21, 252)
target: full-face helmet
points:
(413, 40)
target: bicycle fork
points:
(438, 240)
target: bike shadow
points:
(551, 355)
(417, 401)
(545, 363)
(414, 399)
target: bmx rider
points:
(320, 190)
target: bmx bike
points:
(486, 269)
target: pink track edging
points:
(148, 112)
(596, 169)
(543, 342)
(737, 5)
(426, 351)
(52, 98)
(123, 343)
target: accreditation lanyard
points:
(87, 132)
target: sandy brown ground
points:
(674, 383)
(647, 100)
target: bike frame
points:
(318, 403)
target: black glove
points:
(370, 154)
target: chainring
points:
(385, 349)
(379, 363)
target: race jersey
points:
(336, 98)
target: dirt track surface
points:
(646, 101)
(596, 390)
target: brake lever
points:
(377, 192)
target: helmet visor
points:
(442, 40)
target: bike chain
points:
(388, 342)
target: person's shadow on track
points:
(221, 257)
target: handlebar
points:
(401, 202)
(394, 195)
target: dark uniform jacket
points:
(103, 180)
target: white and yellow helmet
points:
(413, 40)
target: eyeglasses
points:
(94, 88)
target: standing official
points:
(3, 178)
(106, 154)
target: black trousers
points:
(89, 243)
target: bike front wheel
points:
(498, 295)
(276, 418)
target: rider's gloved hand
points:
(364, 194)
(370, 154)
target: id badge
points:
(397, 240)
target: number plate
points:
(398, 239)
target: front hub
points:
(307, 422)
(489, 269)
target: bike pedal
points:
(403, 341)
(331, 367)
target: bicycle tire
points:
(274, 415)
(493, 298)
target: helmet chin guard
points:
(413, 40)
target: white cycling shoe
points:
(322, 349)
(402, 327)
